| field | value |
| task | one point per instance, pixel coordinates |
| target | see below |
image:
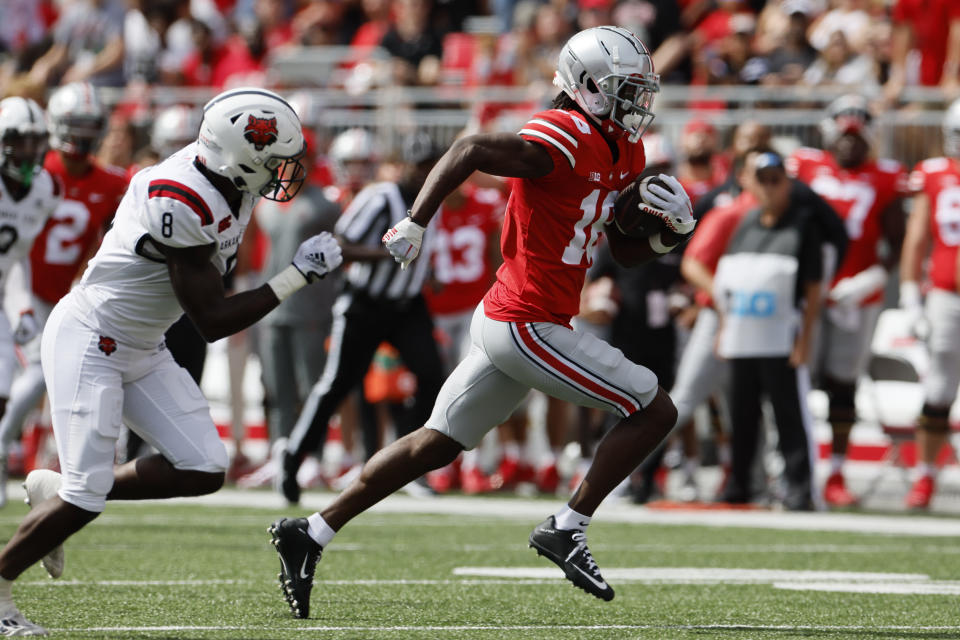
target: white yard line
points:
(929, 588)
(696, 575)
(545, 627)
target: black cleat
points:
(567, 548)
(299, 555)
(289, 466)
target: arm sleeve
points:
(831, 228)
(810, 267)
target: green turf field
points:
(194, 571)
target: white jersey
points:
(127, 284)
(21, 221)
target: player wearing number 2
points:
(568, 164)
(867, 193)
(91, 193)
(935, 220)
(175, 234)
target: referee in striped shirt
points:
(380, 302)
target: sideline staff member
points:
(768, 291)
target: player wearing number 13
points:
(567, 165)
(175, 235)
(866, 193)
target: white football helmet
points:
(174, 128)
(609, 73)
(951, 130)
(847, 114)
(253, 137)
(23, 138)
(77, 119)
(355, 155)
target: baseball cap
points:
(768, 160)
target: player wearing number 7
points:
(867, 193)
(175, 234)
(568, 164)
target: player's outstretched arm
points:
(499, 154)
(199, 285)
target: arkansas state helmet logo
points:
(260, 132)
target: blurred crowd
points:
(868, 44)
(137, 47)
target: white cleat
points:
(12, 623)
(41, 485)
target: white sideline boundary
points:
(610, 511)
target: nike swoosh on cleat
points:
(303, 569)
(600, 584)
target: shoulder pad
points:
(933, 165)
(563, 130)
(887, 165)
(173, 190)
(176, 215)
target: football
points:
(630, 219)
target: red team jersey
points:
(461, 251)
(939, 179)
(859, 196)
(553, 223)
(89, 202)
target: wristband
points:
(657, 244)
(287, 282)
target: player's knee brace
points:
(934, 419)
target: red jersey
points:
(89, 203)
(939, 179)
(859, 196)
(930, 21)
(461, 251)
(553, 223)
(713, 235)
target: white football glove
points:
(318, 256)
(912, 306)
(27, 328)
(850, 292)
(670, 205)
(403, 241)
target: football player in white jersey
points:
(29, 194)
(175, 234)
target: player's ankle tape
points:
(657, 244)
(287, 282)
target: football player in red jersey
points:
(934, 220)
(568, 164)
(76, 120)
(867, 193)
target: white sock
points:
(511, 450)
(6, 595)
(836, 463)
(690, 466)
(724, 455)
(319, 530)
(470, 460)
(567, 518)
(925, 469)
